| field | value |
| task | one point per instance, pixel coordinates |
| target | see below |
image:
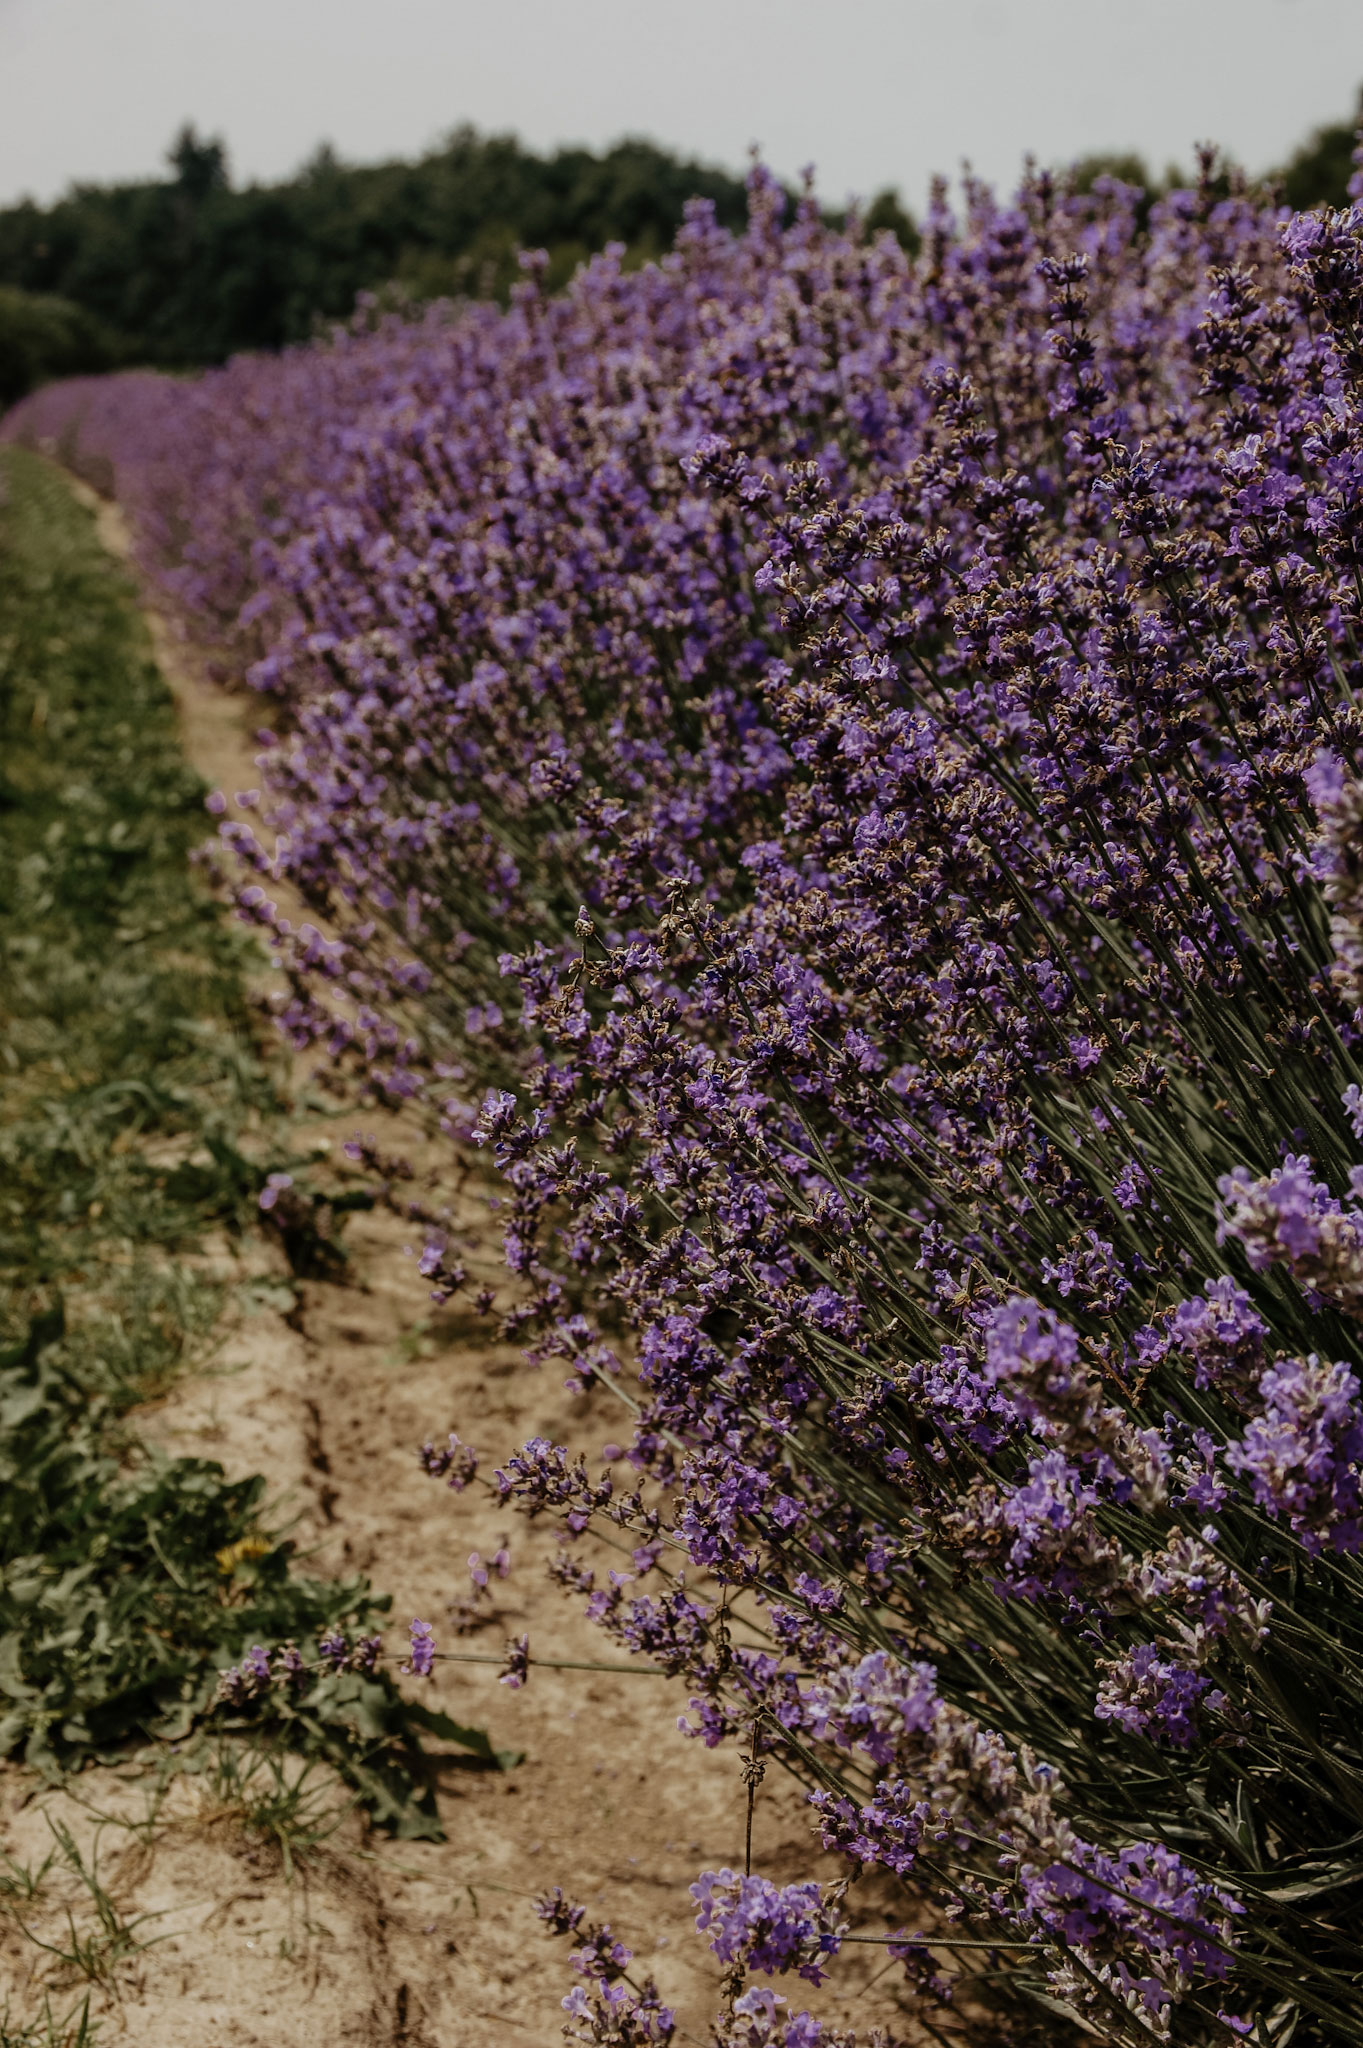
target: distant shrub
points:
(43, 338)
(1318, 173)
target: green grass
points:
(286, 1806)
(74, 2029)
(137, 1114)
(96, 1948)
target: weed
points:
(19, 1883)
(275, 1799)
(75, 2029)
(94, 1951)
(121, 1634)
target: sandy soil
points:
(433, 1945)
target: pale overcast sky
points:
(874, 92)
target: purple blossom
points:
(1222, 1333)
(1301, 1456)
(421, 1657)
(605, 2008)
(287, 1668)
(617, 2016)
(517, 1668)
(1154, 1694)
(1290, 1218)
(767, 1927)
(559, 1913)
(872, 1705)
(240, 1684)
(255, 1664)
(365, 1654)
(1179, 1924)
(455, 1462)
(758, 2020)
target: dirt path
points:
(433, 1945)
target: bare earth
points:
(432, 1945)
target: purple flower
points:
(275, 1185)
(1289, 1218)
(1154, 1694)
(1301, 1456)
(1144, 1899)
(288, 1668)
(559, 1913)
(455, 1462)
(421, 1659)
(872, 1706)
(767, 1927)
(1221, 1332)
(517, 1667)
(617, 2013)
(757, 2021)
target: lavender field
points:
(831, 786)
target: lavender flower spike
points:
(765, 1926)
(517, 1668)
(421, 1659)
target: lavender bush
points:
(858, 766)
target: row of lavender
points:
(844, 775)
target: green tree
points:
(887, 210)
(1319, 173)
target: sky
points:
(873, 92)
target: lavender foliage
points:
(845, 778)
